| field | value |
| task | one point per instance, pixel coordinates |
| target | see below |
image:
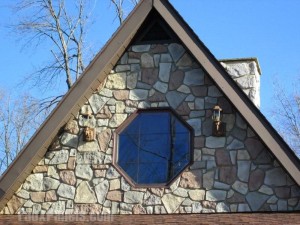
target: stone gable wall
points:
(235, 173)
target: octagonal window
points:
(152, 147)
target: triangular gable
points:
(100, 68)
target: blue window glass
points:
(154, 147)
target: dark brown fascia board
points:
(69, 106)
(247, 109)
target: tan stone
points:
(121, 94)
(191, 180)
(171, 202)
(71, 163)
(14, 204)
(37, 196)
(72, 127)
(103, 139)
(114, 184)
(87, 209)
(85, 194)
(99, 173)
(116, 81)
(50, 196)
(68, 177)
(138, 209)
(197, 195)
(114, 196)
(40, 169)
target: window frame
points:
(126, 123)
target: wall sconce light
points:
(218, 129)
(88, 132)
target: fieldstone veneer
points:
(235, 173)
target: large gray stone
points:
(138, 94)
(276, 177)
(243, 170)
(194, 77)
(57, 208)
(215, 195)
(176, 51)
(34, 182)
(151, 199)
(147, 60)
(164, 71)
(69, 140)
(222, 207)
(236, 144)
(161, 87)
(215, 142)
(196, 125)
(240, 187)
(84, 171)
(213, 91)
(90, 157)
(140, 48)
(133, 197)
(66, 191)
(256, 200)
(101, 190)
(97, 102)
(175, 98)
(50, 183)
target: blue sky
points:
(266, 29)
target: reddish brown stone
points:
(87, 209)
(138, 209)
(68, 177)
(236, 198)
(228, 174)
(283, 192)
(114, 196)
(149, 75)
(157, 97)
(191, 179)
(209, 205)
(223, 157)
(183, 109)
(199, 142)
(159, 49)
(176, 79)
(14, 204)
(104, 113)
(256, 179)
(121, 94)
(199, 91)
(40, 169)
(134, 55)
(254, 147)
(71, 163)
(104, 139)
(37, 196)
(51, 196)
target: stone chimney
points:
(246, 72)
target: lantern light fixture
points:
(218, 129)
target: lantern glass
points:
(217, 116)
